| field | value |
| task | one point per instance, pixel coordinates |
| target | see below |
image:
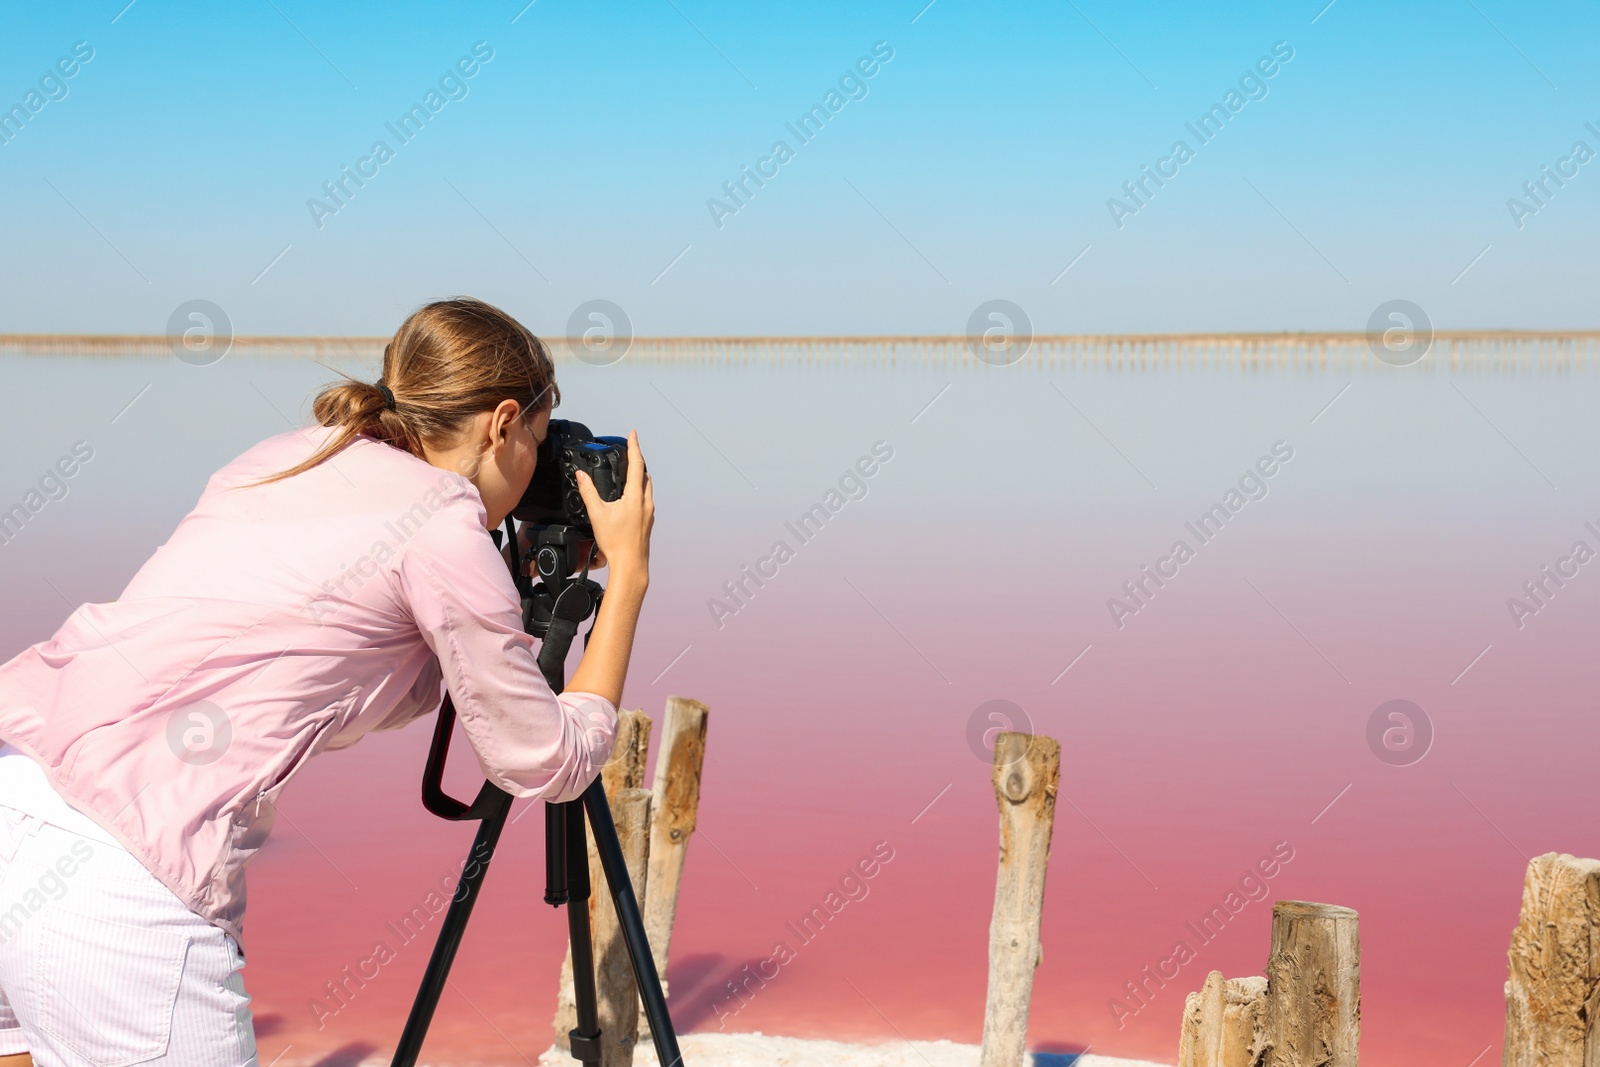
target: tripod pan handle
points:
(434, 798)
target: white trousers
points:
(102, 965)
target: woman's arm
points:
(622, 530)
(605, 658)
(529, 741)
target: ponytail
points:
(449, 361)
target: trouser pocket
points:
(106, 990)
(13, 831)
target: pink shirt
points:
(277, 622)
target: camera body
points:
(552, 496)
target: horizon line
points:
(1556, 350)
(1322, 336)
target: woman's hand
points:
(622, 531)
(622, 526)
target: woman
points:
(328, 583)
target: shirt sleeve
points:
(421, 699)
(529, 741)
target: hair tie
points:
(388, 396)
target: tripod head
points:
(555, 554)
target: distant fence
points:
(1491, 350)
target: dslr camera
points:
(552, 504)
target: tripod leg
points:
(585, 1038)
(450, 933)
(557, 888)
(633, 935)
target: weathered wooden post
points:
(1027, 773)
(629, 750)
(1553, 995)
(674, 804)
(1224, 1025)
(625, 771)
(1313, 986)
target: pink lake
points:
(1226, 718)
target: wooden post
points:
(674, 804)
(1027, 772)
(1224, 1025)
(618, 993)
(624, 771)
(1553, 995)
(1313, 986)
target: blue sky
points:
(579, 163)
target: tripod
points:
(551, 610)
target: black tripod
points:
(551, 610)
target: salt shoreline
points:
(764, 1050)
(767, 1050)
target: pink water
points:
(1225, 719)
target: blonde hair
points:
(448, 361)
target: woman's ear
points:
(501, 420)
